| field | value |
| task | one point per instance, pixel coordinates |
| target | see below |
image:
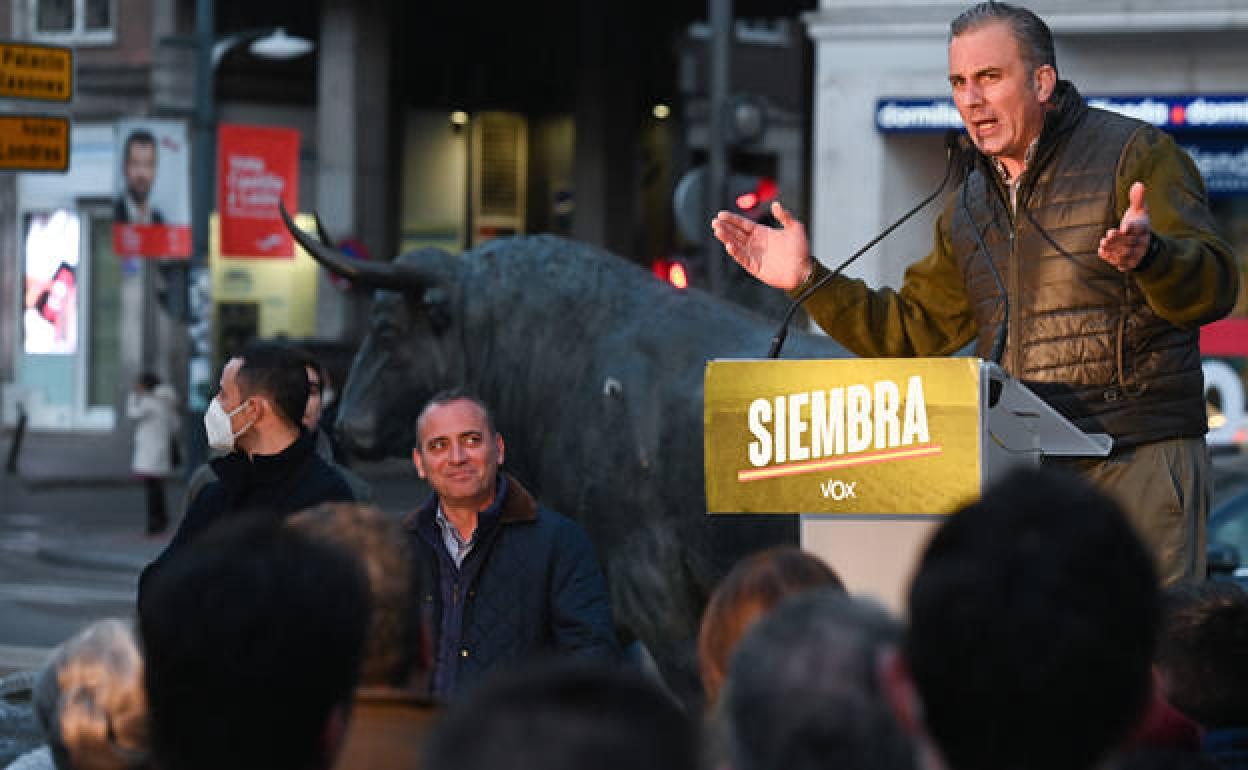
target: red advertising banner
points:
(256, 167)
(152, 240)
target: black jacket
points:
(1081, 334)
(534, 587)
(1113, 352)
(278, 485)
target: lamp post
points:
(269, 43)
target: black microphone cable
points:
(954, 159)
(998, 344)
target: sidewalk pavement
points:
(98, 465)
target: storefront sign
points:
(1173, 113)
(43, 72)
(258, 166)
(848, 436)
(1222, 162)
(34, 143)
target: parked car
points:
(1228, 537)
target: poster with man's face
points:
(152, 212)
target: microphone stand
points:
(953, 151)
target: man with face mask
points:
(271, 467)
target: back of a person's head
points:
(752, 587)
(277, 372)
(90, 703)
(1203, 653)
(1033, 622)
(394, 644)
(253, 637)
(1163, 759)
(564, 718)
(802, 691)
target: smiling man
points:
(507, 581)
(1079, 252)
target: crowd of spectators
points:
(1036, 636)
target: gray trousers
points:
(1164, 488)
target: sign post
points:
(872, 452)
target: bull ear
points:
(373, 275)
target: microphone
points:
(957, 165)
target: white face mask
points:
(217, 426)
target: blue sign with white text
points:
(1173, 113)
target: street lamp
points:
(270, 43)
(266, 43)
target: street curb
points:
(58, 482)
(64, 556)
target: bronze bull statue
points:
(594, 370)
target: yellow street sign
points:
(31, 71)
(34, 143)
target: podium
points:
(872, 453)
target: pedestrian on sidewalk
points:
(155, 408)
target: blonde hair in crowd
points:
(90, 701)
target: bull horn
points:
(322, 233)
(373, 275)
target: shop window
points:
(76, 21)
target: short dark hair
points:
(802, 692)
(275, 371)
(1033, 623)
(1204, 651)
(563, 718)
(149, 380)
(137, 136)
(251, 637)
(458, 393)
(1034, 37)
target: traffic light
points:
(749, 195)
(673, 270)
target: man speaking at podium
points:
(1079, 252)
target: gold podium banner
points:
(845, 436)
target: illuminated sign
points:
(50, 317)
(1223, 164)
(34, 143)
(43, 72)
(1173, 113)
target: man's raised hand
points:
(779, 257)
(1125, 245)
